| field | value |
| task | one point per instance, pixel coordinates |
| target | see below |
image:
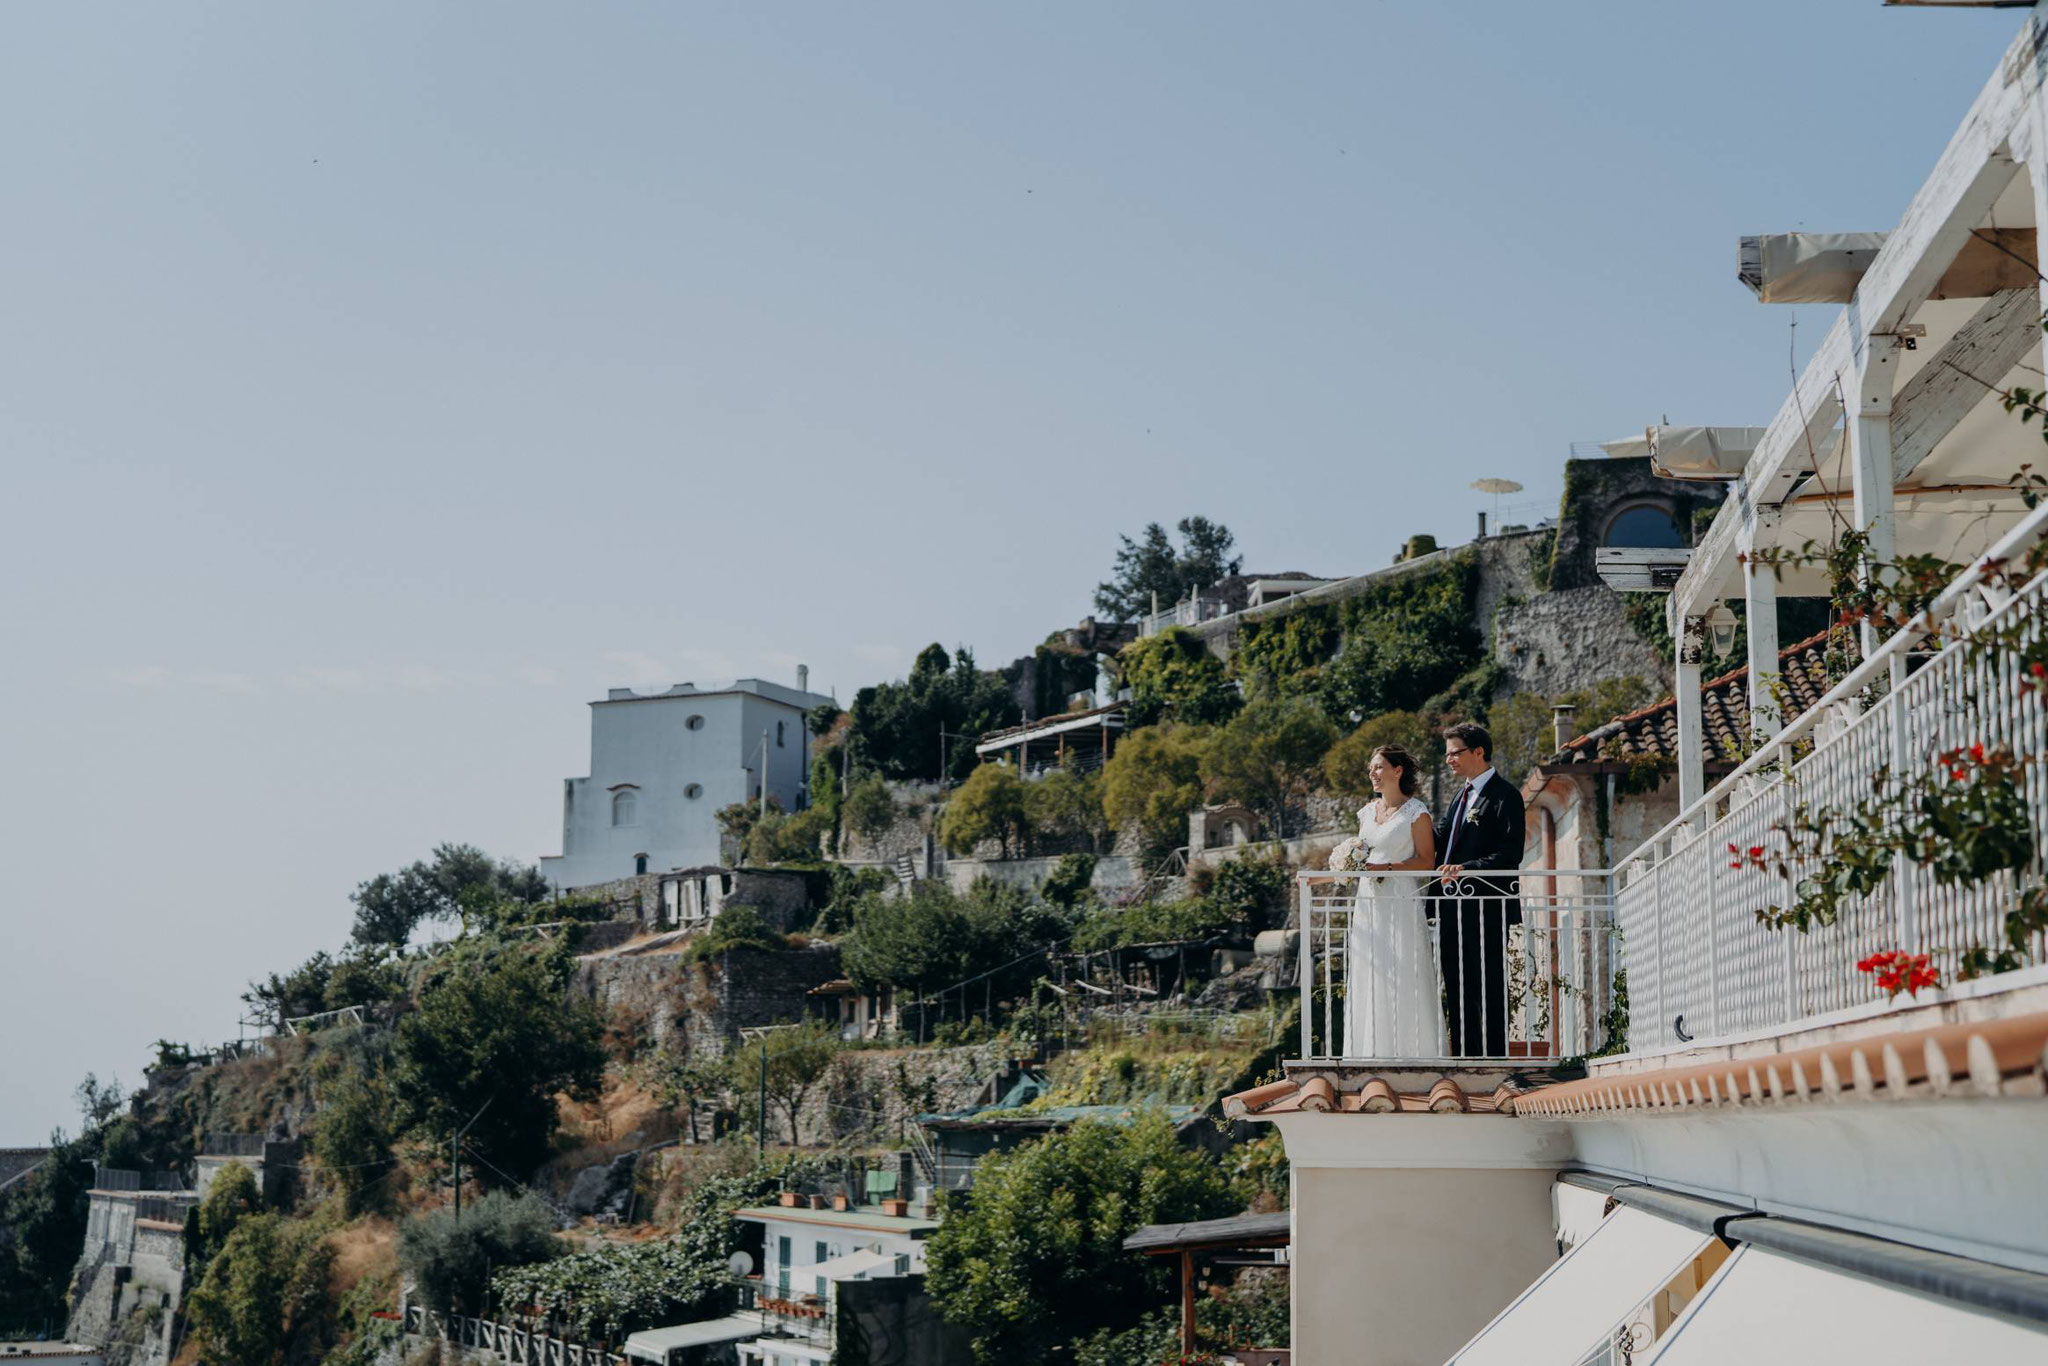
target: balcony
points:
(1512, 971)
(1801, 831)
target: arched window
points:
(640, 864)
(778, 734)
(1644, 525)
(625, 807)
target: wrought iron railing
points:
(1704, 959)
(1509, 968)
(509, 1342)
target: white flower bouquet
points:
(1349, 856)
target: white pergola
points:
(1897, 424)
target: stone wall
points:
(871, 1095)
(698, 1008)
(1112, 871)
(1561, 641)
(16, 1163)
(912, 832)
(630, 898)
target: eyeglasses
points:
(1454, 753)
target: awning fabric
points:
(654, 1344)
(850, 1267)
(1765, 1308)
(1574, 1305)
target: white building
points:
(661, 766)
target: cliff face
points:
(698, 1008)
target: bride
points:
(1393, 1006)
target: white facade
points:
(661, 766)
(794, 1242)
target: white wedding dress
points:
(1393, 1006)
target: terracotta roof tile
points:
(1724, 714)
(1977, 1058)
(1375, 1096)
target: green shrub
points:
(451, 1260)
(736, 927)
(352, 1137)
(1068, 882)
(988, 806)
(1269, 755)
(496, 1027)
(1153, 780)
(1173, 677)
(1037, 1260)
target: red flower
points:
(1977, 753)
(1756, 851)
(2037, 669)
(1958, 773)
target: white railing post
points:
(1905, 923)
(1657, 954)
(1305, 974)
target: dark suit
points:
(1473, 913)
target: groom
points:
(1472, 910)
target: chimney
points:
(803, 678)
(1561, 728)
(1482, 526)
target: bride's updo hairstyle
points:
(1402, 760)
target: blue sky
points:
(380, 382)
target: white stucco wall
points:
(645, 741)
(805, 1239)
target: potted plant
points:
(839, 1201)
(817, 1202)
(894, 1207)
(789, 1199)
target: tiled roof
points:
(1975, 1058)
(1377, 1096)
(1652, 733)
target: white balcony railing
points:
(1191, 611)
(1704, 966)
(1509, 969)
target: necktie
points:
(1458, 821)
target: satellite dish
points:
(740, 1264)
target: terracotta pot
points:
(789, 1199)
(896, 1208)
(817, 1202)
(839, 1202)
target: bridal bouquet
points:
(1349, 856)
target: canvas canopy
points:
(1576, 1305)
(853, 1266)
(654, 1344)
(1766, 1307)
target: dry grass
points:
(363, 1250)
(625, 1116)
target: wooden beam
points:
(1187, 1304)
(1963, 374)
